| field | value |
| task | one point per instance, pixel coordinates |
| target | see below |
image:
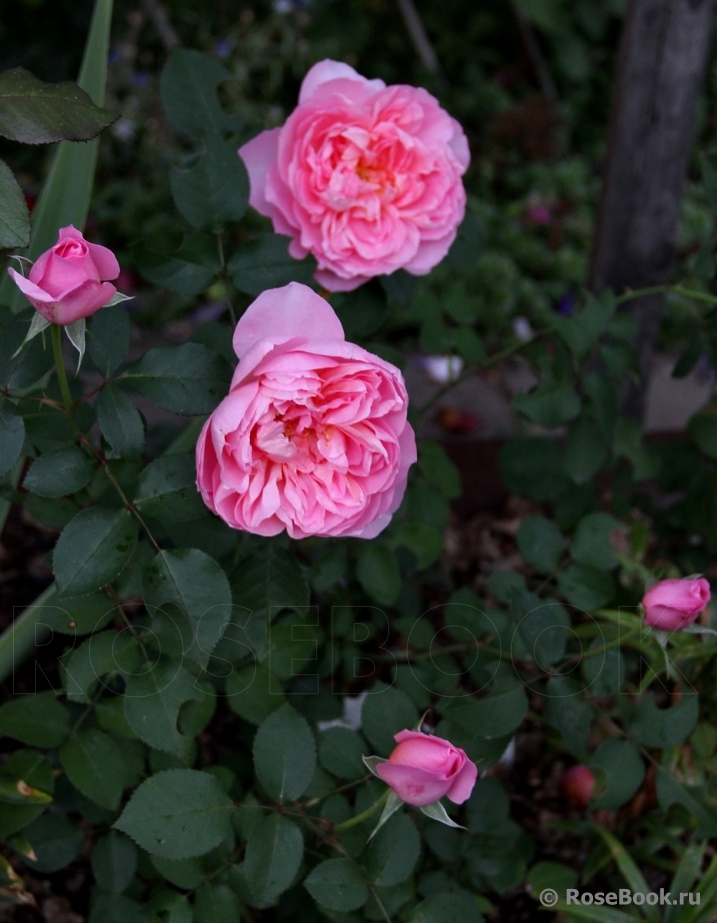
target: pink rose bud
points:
(578, 785)
(365, 177)
(69, 281)
(422, 769)
(313, 436)
(675, 604)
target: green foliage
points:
(34, 112)
(187, 379)
(273, 856)
(284, 754)
(338, 884)
(177, 814)
(93, 549)
(15, 220)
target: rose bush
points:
(313, 436)
(365, 177)
(204, 748)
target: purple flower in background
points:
(566, 305)
(223, 48)
(141, 78)
(115, 55)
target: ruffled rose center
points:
(72, 249)
(354, 167)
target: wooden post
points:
(663, 54)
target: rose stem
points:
(360, 818)
(62, 375)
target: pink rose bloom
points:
(422, 769)
(578, 785)
(69, 281)
(312, 437)
(365, 177)
(675, 604)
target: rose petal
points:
(414, 786)
(281, 313)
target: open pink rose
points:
(422, 769)
(312, 437)
(676, 603)
(365, 177)
(69, 281)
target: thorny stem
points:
(223, 272)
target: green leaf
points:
(544, 627)
(592, 541)
(184, 873)
(436, 811)
(540, 542)
(167, 489)
(18, 792)
(496, 715)
(264, 262)
(56, 841)
(93, 763)
(177, 814)
(65, 197)
(120, 422)
(583, 329)
(604, 672)
(33, 769)
(14, 214)
(585, 587)
(177, 906)
(400, 286)
(93, 549)
(437, 467)
(197, 584)
(152, 701)
(629, 870)
(589, 914)
(567, 710)
(285, 754)
(585, 450)
(188, 88)
(187, 379)
(702, 429)
(184, 270)
(12, 437)
(552, 875)
(265, 583)
(273, 856)
(665, 727)
(215, 189)
(386, 711)
(114, 862)
(116, 908)
(624, 771)
(696, 800)
(60, 472)
(448, 907)
(216, 903)
(341, 752)
(549, 408)
(254, 693)
(109, 337)
(35, 112)
(38, 720)
(104, 652)
(378, 573)
(533, 468)
(338, 884)
(393, 852)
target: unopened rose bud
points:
(676, 603)
(578, 785)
